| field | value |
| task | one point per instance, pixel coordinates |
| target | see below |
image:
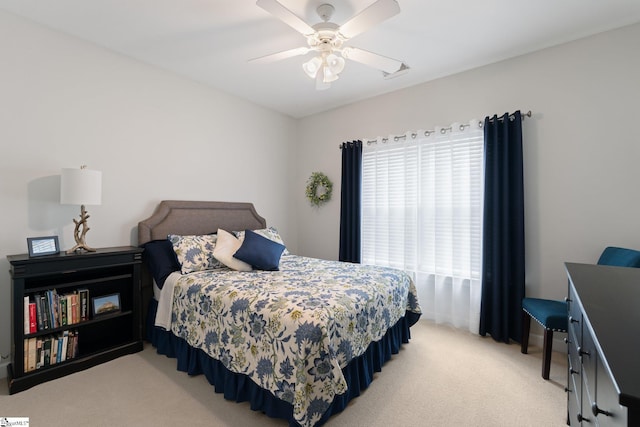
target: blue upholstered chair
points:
(552, 315)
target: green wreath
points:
(318, 181)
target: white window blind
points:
(422, 212)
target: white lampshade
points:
(328, 75)
(335, 63)
(80, 187)
(312, 66)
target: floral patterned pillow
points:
(270, 233)
(195, 253)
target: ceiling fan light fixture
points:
(312, 66)
(324, 67)
(329, 75)
(321, 84)
(335, 63)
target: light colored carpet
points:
(443, 377)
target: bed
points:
(296, 337)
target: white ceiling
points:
(210, 41)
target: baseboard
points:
(3, 369)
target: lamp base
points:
(80, 247)
(79, 235)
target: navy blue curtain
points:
(503, 229)
(351, 189)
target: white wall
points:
(581, 147)
(154, 136)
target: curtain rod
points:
(513, 116)
(442, 130)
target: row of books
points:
(40, 352)
(49, 310)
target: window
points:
(422, 212)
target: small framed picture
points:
(39, 246)
(105, 304)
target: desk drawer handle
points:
(596, 410)
(573, 320)
(566, 340)
(573, 371)
(581, 352)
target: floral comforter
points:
(291, 331)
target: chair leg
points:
(526, 326)
(546, 350)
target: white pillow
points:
(226, 246)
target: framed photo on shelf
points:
(105, 304)
(39, 246)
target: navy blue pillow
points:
(161, 260)
(260, 252)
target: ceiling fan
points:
(327, 40)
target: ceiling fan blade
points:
(286, 16)
(281, 55)
(372, 15)
(388, 65)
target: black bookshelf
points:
(98, 338)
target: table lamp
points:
(81, 187)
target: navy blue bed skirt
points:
(358, 373)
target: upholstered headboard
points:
(192, 218)
(195, 218)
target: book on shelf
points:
(39, 354)
(75, 308)
(69, 309)
(47, 351)
(63, 311)
(63, 348)
(84, 304)
(38, 302)
(76, 349)
(26, 317)
(72, 345)
(46, 312)
(54, 351)
(33, 321)
(59, 352)
(52, 310)
(50, 313)
(42, 352)
(25, 363)
(55, 318)
(31, 360)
